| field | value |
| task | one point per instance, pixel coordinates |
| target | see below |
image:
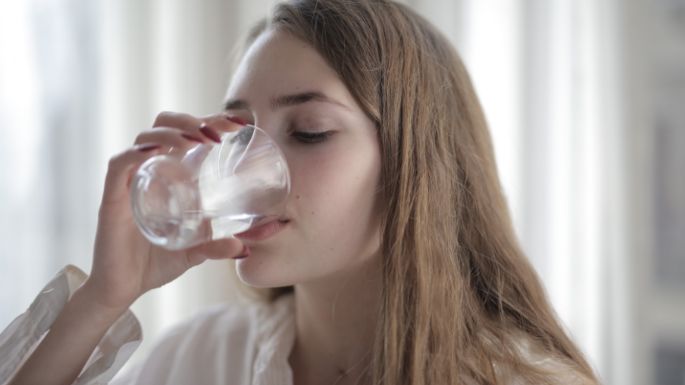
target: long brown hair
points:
(461, 303)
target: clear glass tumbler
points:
(212, 191)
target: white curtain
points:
(79, 79)
(50, 157)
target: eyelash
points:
(311, 137)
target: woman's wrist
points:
(61, 355)
(85, 303)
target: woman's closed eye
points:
(311, 137)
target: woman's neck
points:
(335, 325)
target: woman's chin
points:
(260, 275)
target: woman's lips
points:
(263, 231)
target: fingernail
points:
(211, 134)
(236, 120)
(192, 138)
(147, 147)
(244, 253)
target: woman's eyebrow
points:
(286, 101)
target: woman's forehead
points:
(279, 64)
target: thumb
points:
(218, 249)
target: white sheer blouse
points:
(227, 344)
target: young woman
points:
(395, 262)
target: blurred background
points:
(585, 99)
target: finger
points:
(213, 126)
(172, 137)
(207, 127)
(177, 264)
(122, 166)
(218, 249)
(185, 121)
(223, 122)
(179, 120)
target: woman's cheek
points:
(333, 179)
(312, 167)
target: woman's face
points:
(285, 87)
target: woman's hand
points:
(125, 263)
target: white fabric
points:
(22, 336)
(225, 344)
(232, 343)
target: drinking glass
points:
(211, 191)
